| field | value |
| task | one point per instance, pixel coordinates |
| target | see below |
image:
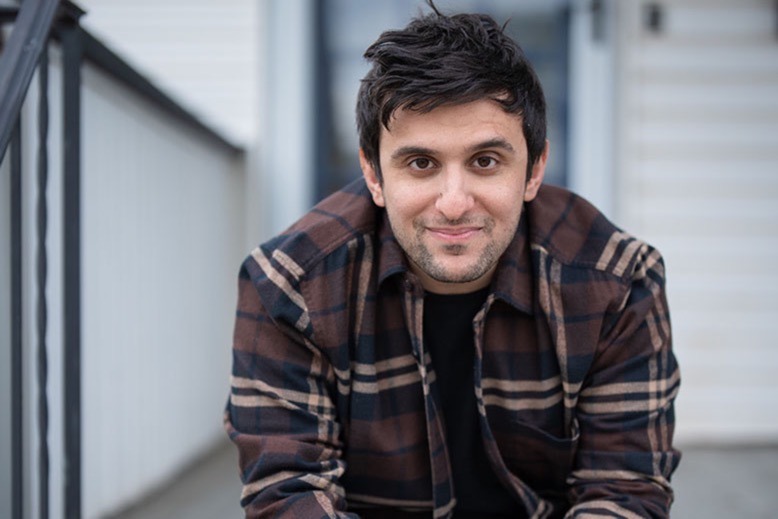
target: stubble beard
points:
(426, 261)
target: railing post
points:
(17, 393)
(41, 278)
(26, 50)
(72, 50)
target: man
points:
(445, 337)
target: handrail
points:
(19, 60)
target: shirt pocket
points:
(541, 460)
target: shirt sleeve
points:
(280, 412)
(625, 409)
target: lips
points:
(454, 233)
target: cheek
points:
(406, 203)
(507, 214)
(504, 202)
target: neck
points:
(442, 287)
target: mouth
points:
(454, 234)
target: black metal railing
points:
(41, 274)
(70, 35)
(25, 51)
(35, 24)
(16, 365)
(20, 57)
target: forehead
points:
(453, 124)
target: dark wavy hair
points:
(443, 60)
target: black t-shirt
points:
(448, 336)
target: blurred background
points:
(163, 139)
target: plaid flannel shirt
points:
(334, 406)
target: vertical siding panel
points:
(699, 178)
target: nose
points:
(455, 199)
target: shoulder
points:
(574, 232)
(338, 219)
(319, 244)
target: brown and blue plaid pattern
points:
(333, 402)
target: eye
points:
(485, 162)
(421, 163)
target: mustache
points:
(459, 222)
(466, 221)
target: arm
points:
(625, 411)
(280, 413)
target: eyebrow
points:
(406, 151)
(497, 142)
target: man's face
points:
(454, 182)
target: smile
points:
(454, 234)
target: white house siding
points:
(697, 147)
(210, 55)
(205, 52)
(162, 238)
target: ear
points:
(372, 180)
(538, 171)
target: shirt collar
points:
(391, 257)
(513, 278)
